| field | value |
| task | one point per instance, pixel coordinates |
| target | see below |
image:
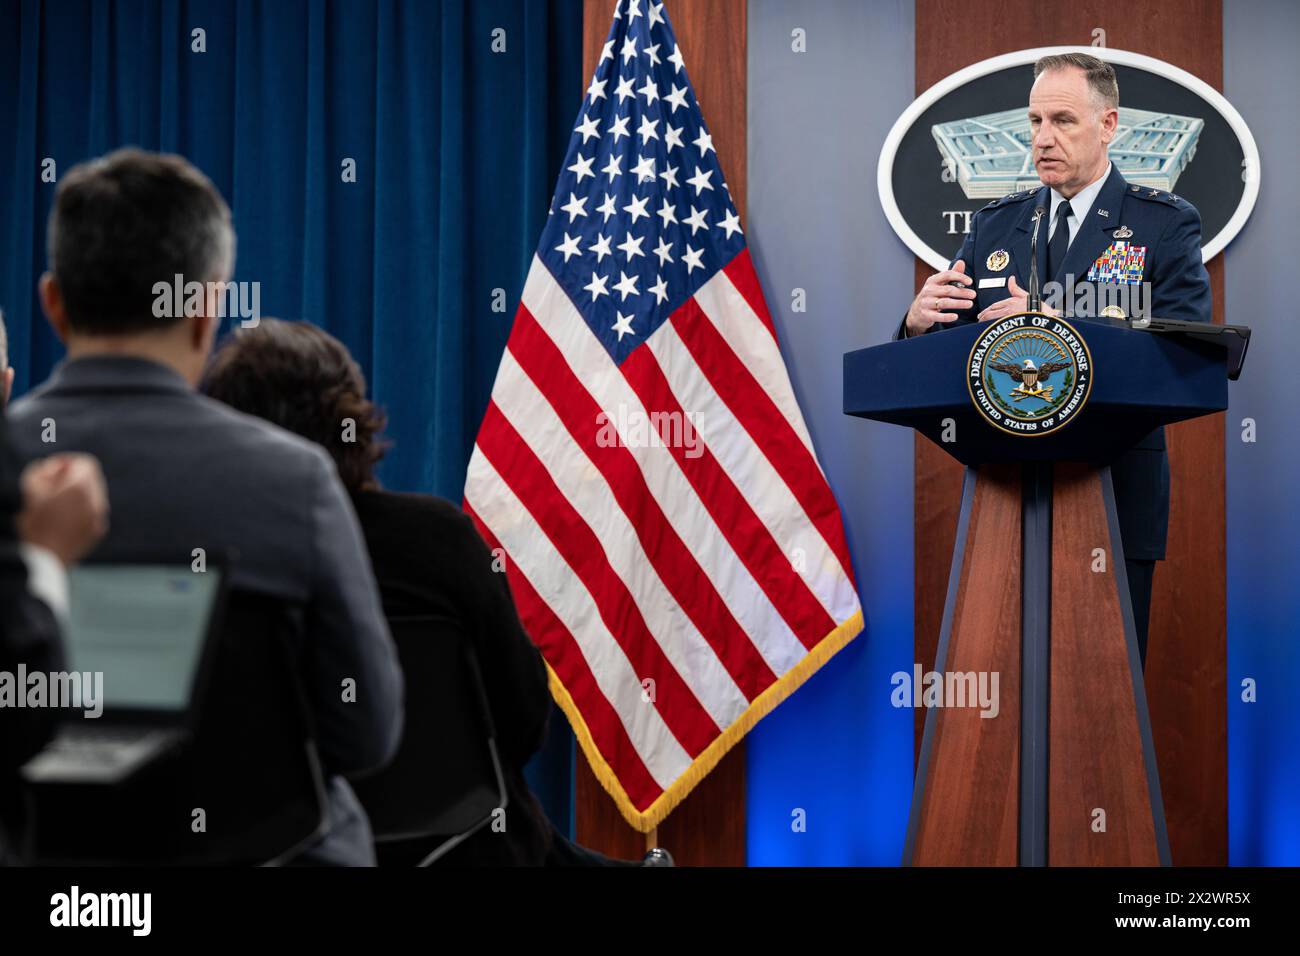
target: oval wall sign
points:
(965, 142)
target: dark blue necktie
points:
(1060, 241)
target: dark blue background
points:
(457, 150)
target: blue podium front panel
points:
(1138, 381)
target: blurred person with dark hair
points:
(427, 555)
(185, 472)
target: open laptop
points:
(149, 629)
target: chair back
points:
(446, 779)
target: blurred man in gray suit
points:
(127, 232)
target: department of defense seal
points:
(1029, 374)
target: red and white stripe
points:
(710, 575)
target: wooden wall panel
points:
(708, 828)
(1186, 666)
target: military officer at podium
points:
(1105, 248)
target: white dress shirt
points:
(46, 579)
(1080, 205)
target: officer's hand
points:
(937, 295)
(65, 505)
(1017, 302)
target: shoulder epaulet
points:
(1013, 197)
(1158, 195)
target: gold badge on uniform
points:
(997, 261)
(1114, 312)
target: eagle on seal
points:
(1030, 376)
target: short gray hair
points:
(125, 221)
(1102, 81)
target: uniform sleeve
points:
(966, 253)
(1180, 286)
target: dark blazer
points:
(185, 472)
(1169, 229)
(429, 559)
(29, 636)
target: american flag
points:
(669, 537)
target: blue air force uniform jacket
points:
(1132, 234)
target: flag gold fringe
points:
(763, 705)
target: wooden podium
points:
(1065, 773)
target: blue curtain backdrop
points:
(456, 147)
(456, 114)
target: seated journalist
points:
(428, 557)
(185, 472)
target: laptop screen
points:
(144, 627)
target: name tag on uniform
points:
(994, 283)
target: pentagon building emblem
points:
(990, 155)
(966, 142)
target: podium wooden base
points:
(1065, 773)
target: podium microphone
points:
(1035, 298)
